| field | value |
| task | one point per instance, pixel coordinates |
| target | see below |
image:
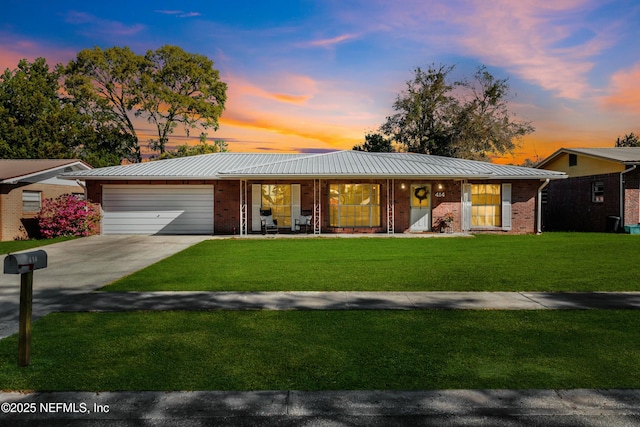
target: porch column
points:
(466, 206)
(243, 207)
(391, 207)
(317, 206)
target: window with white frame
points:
(277, 197)
(486, 202)
(31, 201)
(354, 205)
(486, 206)
(597, 192)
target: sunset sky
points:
(312, 76)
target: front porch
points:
(352, 207)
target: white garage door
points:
(157, 209)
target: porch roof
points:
(337, 164)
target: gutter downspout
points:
(84, 187)
(539, 221)
(622, 193)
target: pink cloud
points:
(524, 37)
(103, 26)
(296, 96)
(328, 42)
(13, 49)
(318, 132)
(624, 91)
(306, 115)
(300, 88)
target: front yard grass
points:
(328, 350)
(21, 245)
(549, 262)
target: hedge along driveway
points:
(550, 262)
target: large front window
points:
(485, 205)
(277, 197)
(354, 205)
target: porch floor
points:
(342, 235)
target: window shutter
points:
(256, 204)
(295, 205)
(506, 206)
(466, 207)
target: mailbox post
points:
(24, 264)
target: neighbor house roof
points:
(16, 170)
(326, 165)
(624, 155)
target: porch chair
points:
(268, 224)
(304, 220)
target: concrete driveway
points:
(79, 266)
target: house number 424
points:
(439, 194)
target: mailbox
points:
(25, 262)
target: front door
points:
(420, 207)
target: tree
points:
(34, 123)
(108, 146)
(629, 140)
(38, 122)
(105, 84)
(459, 119)
(483, 125)
(203, 147)
(531, 163)
(375, 143)
(424, 109)
(167, 87)
(180, 88)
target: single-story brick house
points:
(602, 189)
(341, 192)
(23, 186)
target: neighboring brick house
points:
(602, 189)
(23, 186)
(339, 192)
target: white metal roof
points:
(325, 165)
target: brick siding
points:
(16, 224)
(570, 207)
(227, 201)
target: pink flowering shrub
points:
(67, 215)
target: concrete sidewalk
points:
(80, 300)
(128, 301)
(326, 408)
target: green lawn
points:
(21, 245)
(549, 262)
(328, 350)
